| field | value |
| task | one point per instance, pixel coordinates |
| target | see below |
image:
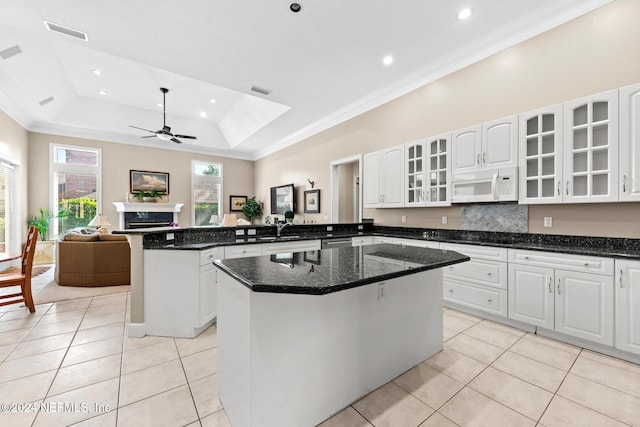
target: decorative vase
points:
(150, 199)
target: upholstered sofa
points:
(93, 260)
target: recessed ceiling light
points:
(97, 72)
(213, 101)
(102, 92)
(387, 60)
(464, 13)
(203, 114)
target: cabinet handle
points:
(477, 158)
(621, 283)
(586, 264)
(559, 187)
(450, 291)
(484, 158)
(489, 300)
(567, 187)
(488, 274)
(549, 285)
(558, 286)
(624, 183)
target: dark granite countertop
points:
(331, 270)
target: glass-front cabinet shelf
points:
(541, 155)
(427, 166)
(591, 149)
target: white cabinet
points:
(428, 170)
(627, 295)
(591, 149)
(242, 251)
(480, 283)
(540, 148)
(284, 247)
(180, 291)
(384, 178)
(570, 294)
(362, 240)
(630, 143)
(491, 145)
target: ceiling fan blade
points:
(177, 141)
(186, 136)
(149, 136)
(147, 130)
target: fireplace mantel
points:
(123, 207)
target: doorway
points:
(346, 191)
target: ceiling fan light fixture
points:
(163, 136)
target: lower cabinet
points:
(555, 292)
(627, 295)
(480, 283)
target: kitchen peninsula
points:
(301, 335)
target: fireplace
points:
(146, 215)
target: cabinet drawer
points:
(241, 251)
(488, 273)
(417, 243)
(382, 239)
(490, 300)
(281, 247)
(581, 263)
(209, 255)
(473, 251)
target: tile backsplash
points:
(499, 217)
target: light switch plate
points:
(240, 232)
(548, 221)
(251, 232)
(170, 236)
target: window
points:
(207, 193)
(76, 189)
(7, 204)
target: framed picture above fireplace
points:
(148, 181)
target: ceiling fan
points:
(164, 133)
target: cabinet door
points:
(393, 177)
(415, 191)
(372, 178)
(531, 295)
(540, 148)
(208, 293)
(438, 166)
(466, 150)
(500, 143)
(630, 143)
(591, 149)
(584, 306)
(628, 306)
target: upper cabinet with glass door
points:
(591, 149)
(428, 168)
(540, 136)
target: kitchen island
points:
(302, 335)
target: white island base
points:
(295, 360)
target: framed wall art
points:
(312, 201)
(148, 181)
(236, 202)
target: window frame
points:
(209, 179)
(55, 167)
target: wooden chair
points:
(22, 279)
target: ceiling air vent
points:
(260, 90)
(66, 30)
(12, 51)
(46, 101)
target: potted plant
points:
(288, 216)
(252, 209)
(149, 196)
(44, 253)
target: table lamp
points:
(100, 222)
(230, 220)
(215, 220)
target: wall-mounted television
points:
(282, 199)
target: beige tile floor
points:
(74, 359)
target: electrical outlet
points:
(404, 218)
(548, 221)
(329, 228)
(240, 232)
(251, 232)
(444, 220)
(170, 236)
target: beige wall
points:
(119, 159)
(591, 54)
(14, 148)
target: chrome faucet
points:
(280, 226)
